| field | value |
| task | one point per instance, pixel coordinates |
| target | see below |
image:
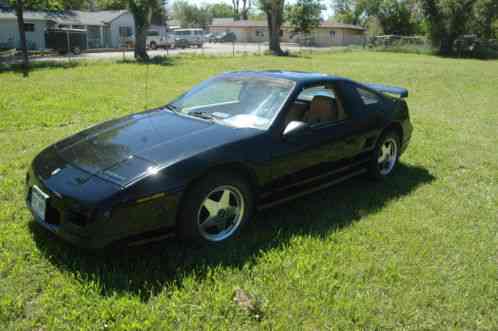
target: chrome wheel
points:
(220, 213)
(388, 156)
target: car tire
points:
(385, 156)
(215, 209)
(153, 45)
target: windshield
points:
(239, 101)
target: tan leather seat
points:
(323, 109)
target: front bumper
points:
(95, 226)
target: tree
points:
(395, 17)
(191, 15)
(485, 16)
(111, 4)
(447, 19)
(241, 9)
(22, 34)
(274, 10)
(219, 10)
(304, 16)
(346, 11)
(142, 11)
(21, 5)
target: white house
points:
(109, 28)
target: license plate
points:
(39, 202)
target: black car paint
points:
(101, 192)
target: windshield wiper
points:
(172, 107)
(202, 114)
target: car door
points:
(318, 150)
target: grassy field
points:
(417, 252)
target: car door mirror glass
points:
(295, 128)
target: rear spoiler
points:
(401, 92)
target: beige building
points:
(326, 35)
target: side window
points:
(367, 97)
(308, 93)
(323, 105)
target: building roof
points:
(263, 24)
(67, 17)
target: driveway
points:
(209, 48)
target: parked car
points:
(182, 43)
(195, 37)
(225, 37)
(202, 164)
(156, 39)
(210, 37)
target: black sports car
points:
(201, 165)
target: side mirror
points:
(295, 128)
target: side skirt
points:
(308, 186)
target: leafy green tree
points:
(274, 10)
(191, 15)
(447, 19)
(347, 11)
(395, 17)
(111, 4)
(485, 16)
(304, 16)
(219, 10)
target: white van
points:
(156, 39)
(194, 37)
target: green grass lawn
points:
(419, 251)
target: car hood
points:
(128, 148)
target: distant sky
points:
(326, 13)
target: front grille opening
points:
(53, 216)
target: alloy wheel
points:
(388, 155)
(220, 213)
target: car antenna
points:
(146, 84)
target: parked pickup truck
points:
(157, 40)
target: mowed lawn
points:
(419, 251)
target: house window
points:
(29, 27)
(125, 31)
(281, 33)
(332, 34)
(260, 33)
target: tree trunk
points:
(140, 43)
(246, 6)
(22, 33)
(274, 18)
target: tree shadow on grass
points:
(144, 271)
(37, 65)
(69, 64)
(160, 60)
